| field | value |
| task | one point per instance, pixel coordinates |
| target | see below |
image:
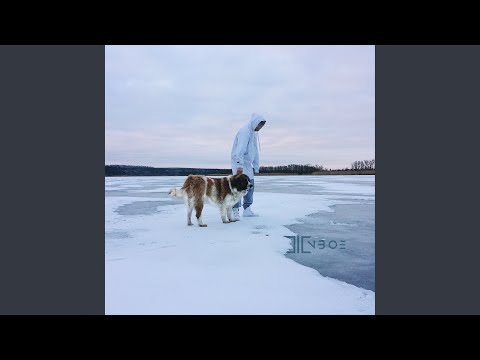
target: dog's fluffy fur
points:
(222, 192)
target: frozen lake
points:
(155, 263)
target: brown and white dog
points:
(222, 192)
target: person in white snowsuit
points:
(245, 159)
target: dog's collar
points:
(230, 184)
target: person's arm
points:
(240, 149)
(256, 163)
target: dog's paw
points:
(226, 222)
(190, 224)
(203, 225)
(233, 220)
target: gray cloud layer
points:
(181, 106)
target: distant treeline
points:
(358, 167)
(291, 169)
(345, 172)
(131, 170)
(318, 169)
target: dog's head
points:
(241, 183)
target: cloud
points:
(182, 105)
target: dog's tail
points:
(174, 192)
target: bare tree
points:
(364, 165)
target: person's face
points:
(260, 125)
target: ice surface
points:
(156, 264)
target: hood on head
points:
(255, 120)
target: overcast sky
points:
(181, 106)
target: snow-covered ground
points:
(156, 264)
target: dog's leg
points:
(229, 214)
(189, 212)
(223, 214)
(198, 214)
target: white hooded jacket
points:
(245, 151)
